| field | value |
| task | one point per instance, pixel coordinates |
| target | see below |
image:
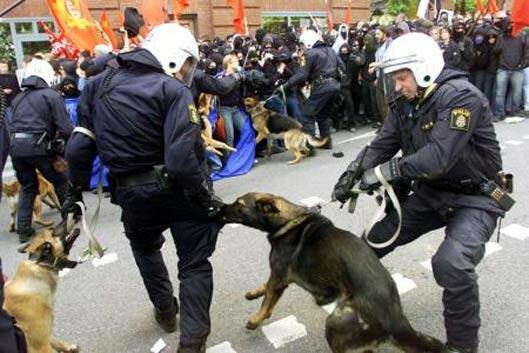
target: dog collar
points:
(291, 225)
(53, 263)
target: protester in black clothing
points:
(10, 87)
(481, 75)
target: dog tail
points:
(314, 142)
(409, 340)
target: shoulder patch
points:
(460, 119)
(193, 114)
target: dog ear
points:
(266, 206)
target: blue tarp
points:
(98, 169)
(239, 162)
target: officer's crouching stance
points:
(443, 125)
(144, 125)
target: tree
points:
(465, 6)
(394, 7)
(7, 49)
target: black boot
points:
(328, 144)
(25, 234)
(168, 319)
(198, 348)
(451, 349)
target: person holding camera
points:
(39, 120)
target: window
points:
(275, 24)
(278, 22)
(49, 24)
(24, 27)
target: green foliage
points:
(466, 6)
(7, 49)
(394, 7)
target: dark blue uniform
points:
(449, 146)
(320, 69)
(162, 129)
(39, 116)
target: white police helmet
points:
(172, 44)
(416, 52)
(308, 38)
(40, 68)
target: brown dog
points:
(30, 294)
(269, 124)
(212, 145)
(46, 195)
(334, 266)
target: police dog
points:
(212, 145)
(46, 195)
(334, 266)
(30, 294)
(269, 124)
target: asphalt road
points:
(105, 309)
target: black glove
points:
(73, 195)
(207, 200)
(342, 189)
(390, 171)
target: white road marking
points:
(427, 264)
(158, 346)
(284, 331)
(403, 284)
(360, 137)
(526, 137)
(516, 231)
(312, 201)
(491, 248)
(105, 260)
(514, 142)
(234, 225)
(514, 120)
(329, 307)
(224, 347)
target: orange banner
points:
(154, 12)
(179, 6)
(76, 23)
(492, 7)
(239, 17)
(349, 13)
(479, 7)
(107, 29)
(520, 15)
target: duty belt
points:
(149, 177)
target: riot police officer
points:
(443, 125)
(39, 119)
(142, 121)
(322, 69)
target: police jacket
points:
(448, 144)
(321, 64)
(162, 125)
(40, 109)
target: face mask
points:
(211, 70)
(479, 39)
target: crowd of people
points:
(130, 110)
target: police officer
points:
(322, 69)
(142, 121)
(443, 125)
(39, 118)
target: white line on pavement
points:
(526, 137)
(360, 137)
(516, 231)
(403, 284)
(312, 201)
(284, 331)
(514, 142)
(491, 248)
(514, 120)
(427, 264)
(234, 225)
(158, 346)
(105, 260)
(224, 347)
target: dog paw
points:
(251, 295)
(72, 349)
(252, 325)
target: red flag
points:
(76, 23)
(479, 7)
(492, 7)
(349, 13)
(154, 13)
(239, 17)
(107, 29)
(179, 7)
(330, 22)
(520, 15)
(60, 46)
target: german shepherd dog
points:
(269, 124)
(46, 195)
(30, 294)
(333, 265)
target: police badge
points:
(460, 119)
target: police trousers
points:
(146, 213)
(25, 169)
(454, 264)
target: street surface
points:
(104, 308)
